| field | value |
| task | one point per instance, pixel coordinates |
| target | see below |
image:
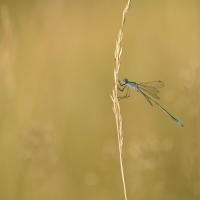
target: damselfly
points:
(150, 88)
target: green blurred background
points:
(58, 136)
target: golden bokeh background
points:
(58, 136)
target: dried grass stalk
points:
(116, 107)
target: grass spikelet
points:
(116, 106)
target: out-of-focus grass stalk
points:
(116, 107)
(7, 50)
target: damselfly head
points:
(125, 80)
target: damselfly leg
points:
(122, 89)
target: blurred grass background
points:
(58, 137)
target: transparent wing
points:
(151, 87)
(152, 84)
(150, 92)
(147, 99)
